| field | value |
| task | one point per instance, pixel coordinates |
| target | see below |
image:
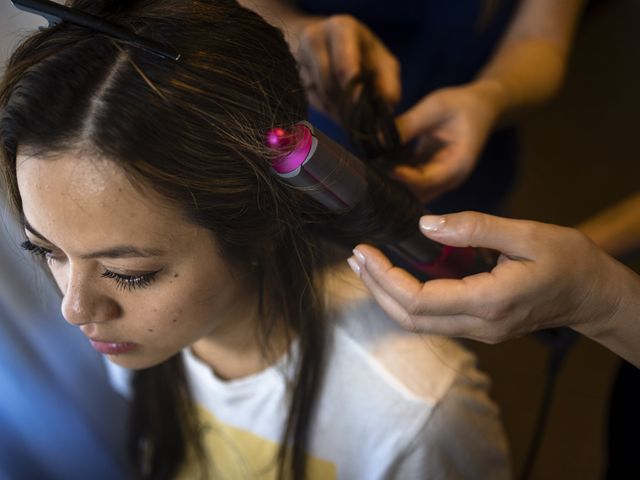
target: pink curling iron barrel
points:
(309, 160)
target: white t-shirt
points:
(394, 405)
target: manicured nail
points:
(354, 265)
(432, 223)
(359, 255)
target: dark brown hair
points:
(194, 132)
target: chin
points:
(138, 361)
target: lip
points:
(112, 348)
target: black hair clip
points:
(54, 13)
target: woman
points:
(145, 184)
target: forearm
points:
(617, 229)
(620, 331)
(529, 65)
(524, 74)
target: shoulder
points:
(426, 405)
(417, 367)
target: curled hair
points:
(388, 213)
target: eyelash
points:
(130, 282)
(36, 250)
(123, 282)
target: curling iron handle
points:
(429, 260)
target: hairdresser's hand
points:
(451, 126)
(333, 50)
(547, 276)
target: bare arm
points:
(526, 69)
(620, 333)
(616, 230)
(530, 63)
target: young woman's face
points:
(138, 280)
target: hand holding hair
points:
(525, 70)
(333, 50)
(451, 126)
(547, 276)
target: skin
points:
(526, 69)
(547, 276)
(616, 230)
(78, 207)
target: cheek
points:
(171, 319)
(182, 308)
(219, 287)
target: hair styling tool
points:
(55, 13)
(309, 160)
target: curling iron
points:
(337, 179)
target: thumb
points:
(421, 118)
(513, 238)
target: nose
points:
(84, 303)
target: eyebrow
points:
(120, 251)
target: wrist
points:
(616, 301)
(493, 94)
(620, 330)
(493, 91)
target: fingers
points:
(387, 70)
(426, 115)
(430, 179)
(400, 285)
(513, 238)
(315, 60)
(435, 297)
(353, 46)
(414, 305)
(451, 126)
(338, 47)
(389, 304)
(344, 47)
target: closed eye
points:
(131, 282)
(37, 250)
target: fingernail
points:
(354, 265)
(432, 223)
(359, 255)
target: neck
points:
(238, 351)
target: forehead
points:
(72, 175)
(75, 196)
